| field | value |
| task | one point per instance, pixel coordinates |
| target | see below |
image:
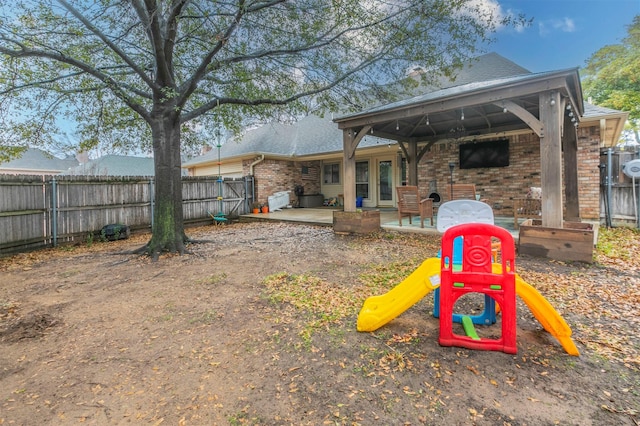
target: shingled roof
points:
(309, 135)
(115, 165)
(37, 161)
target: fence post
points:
(609, 192)
(54, 212)
(152, 197)
(249, 192)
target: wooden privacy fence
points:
(38, 211)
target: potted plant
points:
(256, 207)
(265, 208)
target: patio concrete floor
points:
(323, 216)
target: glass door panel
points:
(385, 183)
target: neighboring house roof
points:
(115, 165)
(37, 161)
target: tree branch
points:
(94, 30)
(189, 86)
(189, 115)
(114, 86)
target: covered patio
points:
(548, 104)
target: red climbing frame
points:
(478, 275)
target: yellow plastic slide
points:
(546, 315)
(379, 310)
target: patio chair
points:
(410, 204)
(462, 191)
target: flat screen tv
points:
(476, 155)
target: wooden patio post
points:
(412, 163)
(551, 159)
(571, 190)
(570, 150)
(349, 170)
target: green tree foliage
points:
(155, 74)
(612, 76)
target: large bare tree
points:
(146, 74)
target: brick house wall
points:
(500, 185)
(273, 176)
(588, 172)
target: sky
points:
(564, 33)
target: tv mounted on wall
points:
(476, 155)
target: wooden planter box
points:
(362, 222)
(574, 242)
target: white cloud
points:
(566, 25)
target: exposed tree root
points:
(154, 254)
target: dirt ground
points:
(257, 325)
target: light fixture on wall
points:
(427, 120)
(397, 125)
(461, 114)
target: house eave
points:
(611, 126)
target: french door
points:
(385, 182)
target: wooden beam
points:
(412, 164)
(570, 151)
(551, 159)
(402, 146)
(354, 141)
(349, 170)
(524, 115)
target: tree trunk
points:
(168, 221)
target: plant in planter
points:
(256, 207)
(265, 208)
